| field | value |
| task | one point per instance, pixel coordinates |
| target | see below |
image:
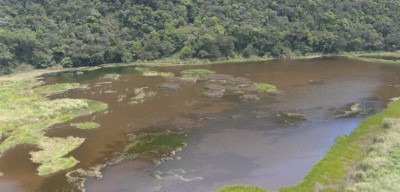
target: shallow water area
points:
(229, 141)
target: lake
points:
(271, 141)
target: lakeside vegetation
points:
(41, 34)
(25, 115)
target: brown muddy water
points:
(228, 141)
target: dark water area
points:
(229, 141)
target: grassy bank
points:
(338, 169)
(378, 57)
(25, 114)
(333, 172)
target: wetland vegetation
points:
(26, 114)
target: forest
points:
(71, 33)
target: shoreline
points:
(36, 73)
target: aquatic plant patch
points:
(156, 143)
(200, 73)
(266, 88)
(25, 115)
(86, 125)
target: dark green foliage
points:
(75, 33)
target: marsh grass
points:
(266, 88)
(51, 156)
(242, 188)
(57, 88)
(25, 115)
(200, 73)
(86, 125)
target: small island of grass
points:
(86, 125)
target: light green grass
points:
(56, 88)
(86, 125)
(242, 188)
(266, 88)
(51, 155)
(380, 170)
(196, 73)
(26, 114)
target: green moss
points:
(56, 88)
(266, 88)
(87, 125)
(158, 143)
(196, 73)
(25, 114)
(242, 188)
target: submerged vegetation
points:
(155, 143)
(25, 115)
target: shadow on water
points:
(271, 142)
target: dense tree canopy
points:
(45, 33)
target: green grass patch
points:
(242, 188)
(25, 114)
(266, 88)
(56, 88)
(86, 125)
(156, 143)
(196, 73)
(380, 170)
